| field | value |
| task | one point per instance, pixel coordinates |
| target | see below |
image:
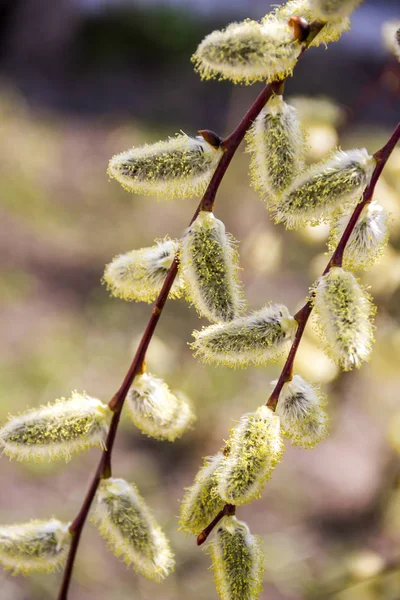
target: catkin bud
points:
(391, 37)
(258, 338)
(344, 312)
(302, 414)
(332, 10)
(56, 430)
(130, 529)
(209, 263)
(237, 561)
(156, 411)
(255, 448)
(34, 547)
(327, 188)
(367, 240)
(277, 147)
(247, 52)
(139, 275)
(202, 502)
(179, 167)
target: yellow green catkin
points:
(156, 411)
(255, 448)
(139, 275)
(202, 502)
(125, 521)
(181, 166)
(57, 430)
(326, 189)
(391, 37)
(257, 338)
(277, 147)
(368, 239)
(209, 264)
(248, 51)
(344, 313)
(34, 547)
(332, 10)
(301, 408)
(237, 561)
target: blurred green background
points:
(81, 81)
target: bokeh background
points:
(81, 80)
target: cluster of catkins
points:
(208, 277)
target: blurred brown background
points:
(81, 81)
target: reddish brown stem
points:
(228, 510)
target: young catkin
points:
(209, 263)
(139, 275)
(344, 312)
(131, 531)
(237, 561)
(202, 502)
(156, 411)
(327, 188)
(301, 408)
(368, 238)
(332, 10)
(181, 166)
(277, 147)
(56, 430)
(248, 51)
(257, 338)
(255, 448)
(34, 547)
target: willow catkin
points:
(181, 166)
(124, 520)
(344, 313)
(34, 547)
(257, 338)
(248, 51)
(202, 501)
(237, 561)
(301, 408)
(156, 411)
(139, 275)
(327, 188)
(255, 448)
(367, 240)
(332, 10)
(277, 147)
(209, 264)
(56, 430)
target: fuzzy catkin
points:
(344, 312)
(202, 502)
(237, 561)
(139, 275)
(56, 430)
(248, 51)
(124, 520)
(368, 238)
(209, 263)
(301, 408)
(34, 547)
(277, 147)
(332, 10)
(257, 338)
(327, 188)
(181, 166)
(255, 448)
(156, 411)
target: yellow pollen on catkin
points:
(124, 520)
(57, 430)
(182, 166)
(255, 448)
(209, 264)
(139, 275)
(344, 318)
(34, 547)
(156, 411)
(237, 561)
(333, 10)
